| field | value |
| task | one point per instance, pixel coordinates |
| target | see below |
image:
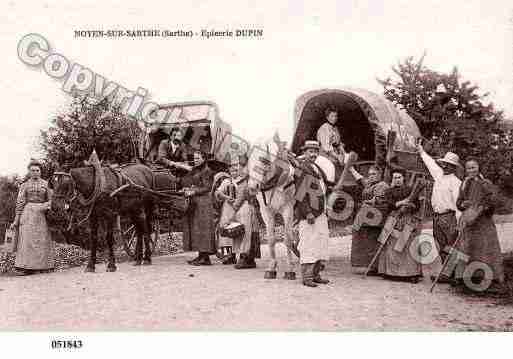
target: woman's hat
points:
(311, 144)
(34, 162)
(220, 176)
(243, 158)
(451, 158)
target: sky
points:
(255, 82)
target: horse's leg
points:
(288, 240)
(93, 240)
(268, 217)
(148, 227)
(111, 265)
(138, 222)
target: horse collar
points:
(271, 183)
(241, 179)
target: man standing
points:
(172, 153)
(329, 138)
(443, 200)
(310, 212)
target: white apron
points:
(314, 240)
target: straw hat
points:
(451, 158)
(311, 144)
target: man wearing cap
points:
(310, 213)
(443, 200)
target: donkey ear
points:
(276, 137)
(281, 144)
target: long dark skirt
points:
(364, 246)
(396, 259)
(481, 244)
(199, 226)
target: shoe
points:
(205, 261)
(229, 259)
(309, 283)
(320, 280)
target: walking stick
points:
(460, 235)
(388, 228)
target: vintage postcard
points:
(242, 166)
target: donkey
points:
(91, 186)
(273, 172)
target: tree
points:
(8, 194)
(88, 125)
(453, 111)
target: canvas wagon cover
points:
(189, 114)
(381, 114)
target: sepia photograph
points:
(309, 168)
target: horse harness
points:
(273, 181)
(122, 182)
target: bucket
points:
(10, 240)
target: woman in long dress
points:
(365, 235)
(35, 250)
(224, 196)
(200, 222)
(244, 210)
(480, 241)
(396, 261)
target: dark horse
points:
(107, 193)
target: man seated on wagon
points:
(329, 137)
(172, 153)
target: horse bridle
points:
(271, 175)
(71, 200)
(73, 187)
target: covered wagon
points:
(369, 125)
(203, 130)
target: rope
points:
(99, 182)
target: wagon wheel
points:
(129, 238)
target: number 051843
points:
(66, 344)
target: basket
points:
(233, 230)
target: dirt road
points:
(171, 295)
